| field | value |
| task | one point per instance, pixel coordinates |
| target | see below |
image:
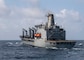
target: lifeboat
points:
(37, 35)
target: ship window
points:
(50, 42)
(60, 42)
(70, 42)
(53, 43)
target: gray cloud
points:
(13, 20)
(32, 2)
(72, 22)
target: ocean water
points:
(15, 50)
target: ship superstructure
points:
(47, 35)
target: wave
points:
(13, 43)
(78, 48)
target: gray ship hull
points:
(49, 44)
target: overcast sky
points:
(18, 14)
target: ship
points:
(47, 35)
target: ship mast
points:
(50, 21)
